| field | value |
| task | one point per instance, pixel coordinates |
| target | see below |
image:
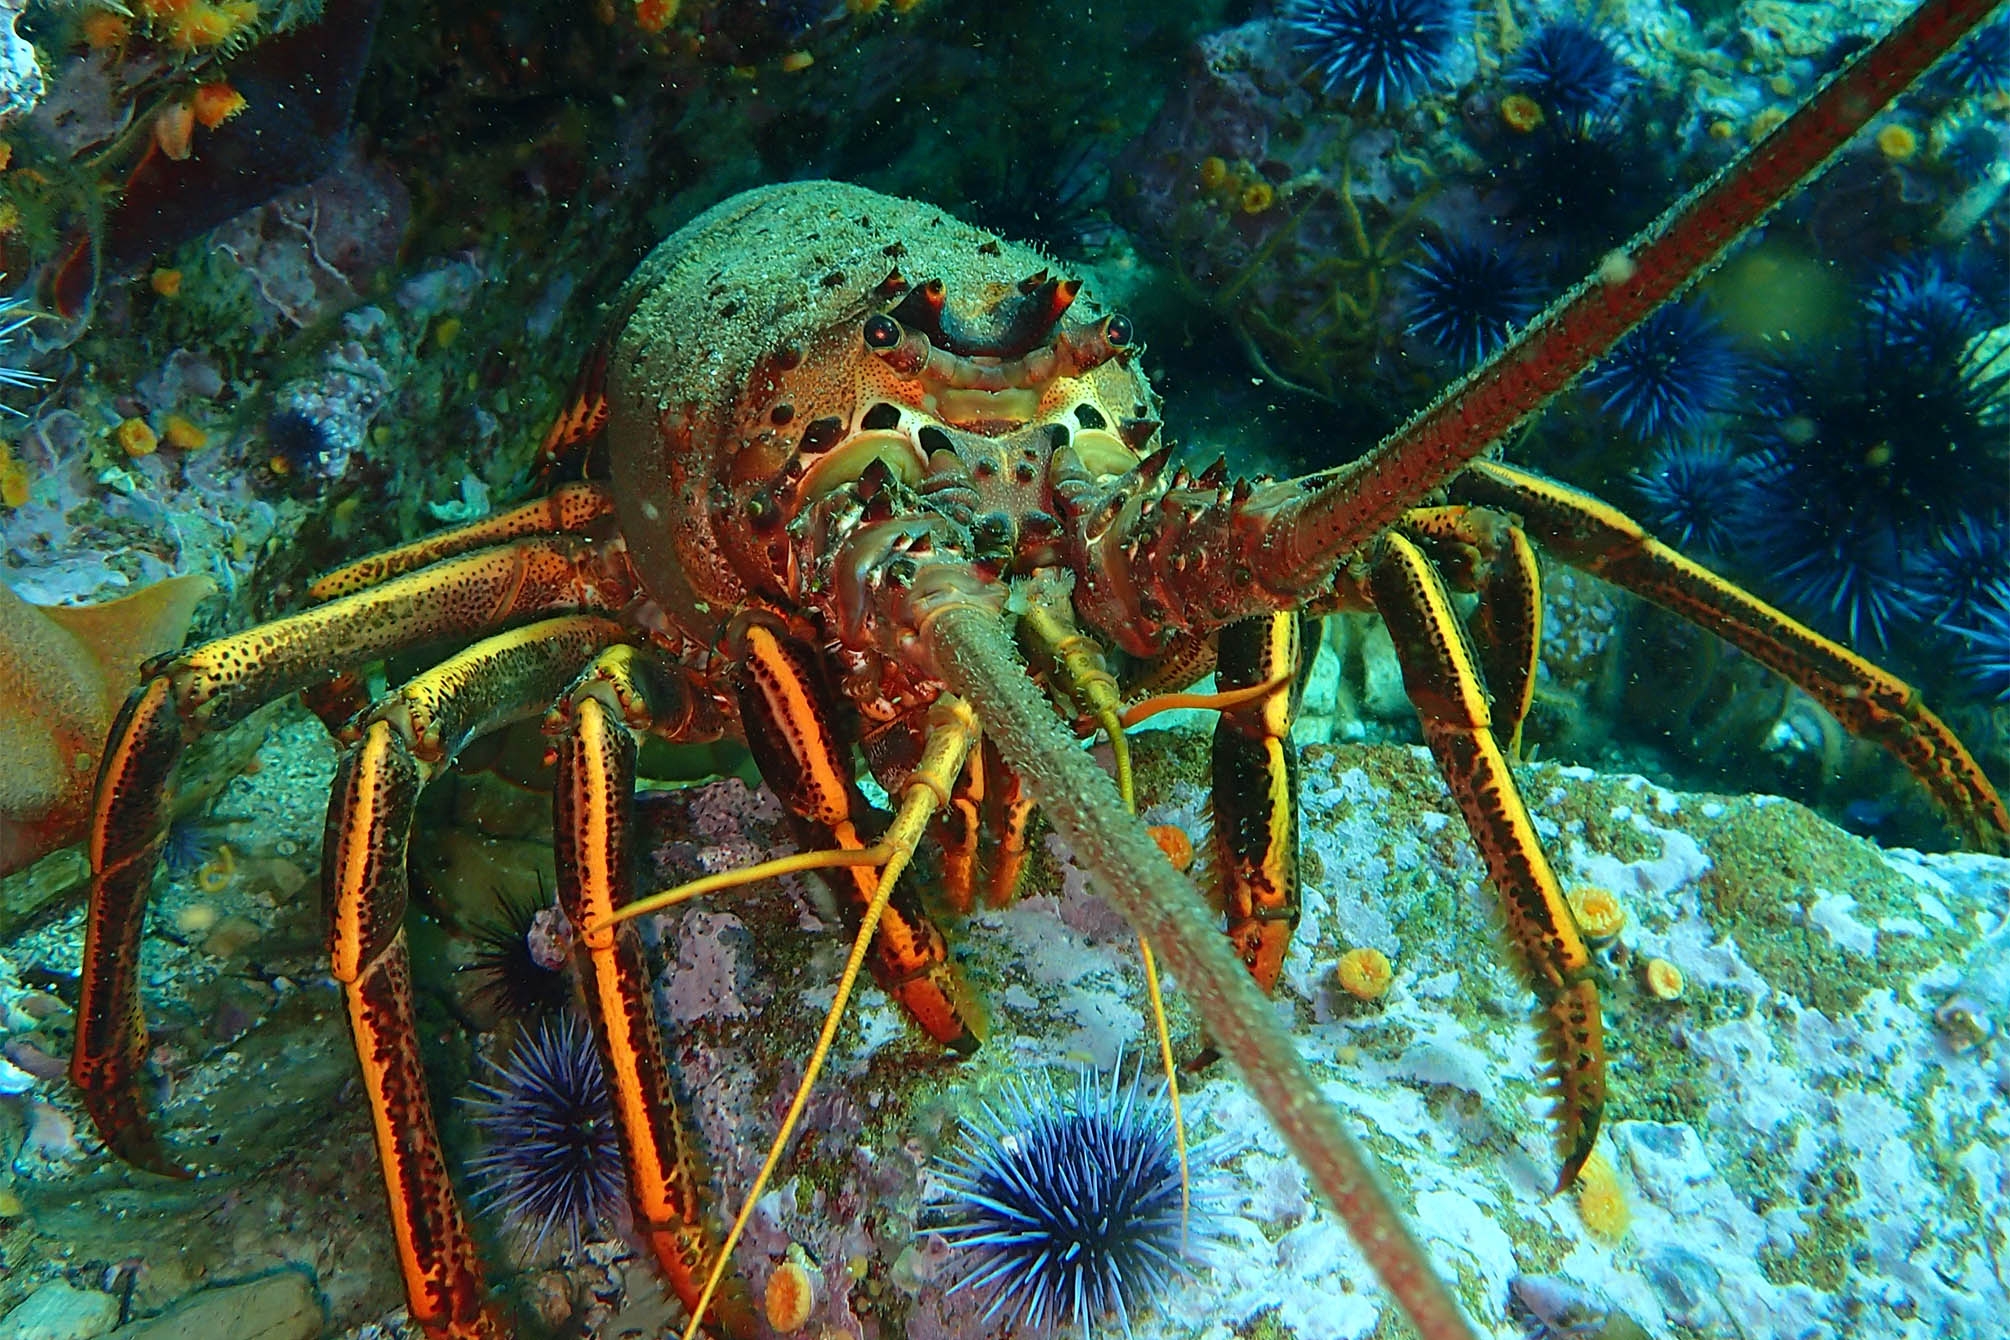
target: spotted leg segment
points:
(218, 684)
(570, 509)
(405, 740)
(1255, 789)
(1868, 701)
(1441, 679)
(791, 718)
(594, 745)
(1480, 550)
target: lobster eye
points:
(1117, 330)
(881, 331)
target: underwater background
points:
(287, 282)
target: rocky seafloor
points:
(1799, 1146)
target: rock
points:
(56, 1311)
(279, 1307)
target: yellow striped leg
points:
(1868, 701)
(1256, 791)
(595, 754)
(790, 715)
(408, 739)
(221, 682)
(1440, 678)
(569, 509)
(1479, 549)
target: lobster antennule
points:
(1290, 546)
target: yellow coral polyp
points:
(1258, 197)
(136, 438)
(1520, 113)
(1662, 979)
(790, 1296)
(1897, 142)
(1365, 973)
(199, 25)
(1600, 915)
(1174, 842)
(653, 16)
(104, 30)
(1601, 1200)
(215, 103)
(14, 479)
(1213, 173)
(183, 435)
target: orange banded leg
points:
(1256, 790)
(790, 715)
(1008, 819)
(1440, 678)
(1868, 701)
(595, 755)
(1479, 549)
(218, 684)
(407, 739)
(958, 830)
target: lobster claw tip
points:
(128, 1135)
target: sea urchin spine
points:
(1071, 1202)
(1374, 52)
(554, 1158)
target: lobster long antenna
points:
(1199, 560)
(1481, 408)
(973, 655)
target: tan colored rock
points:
(57, 1311)
(279, 1307)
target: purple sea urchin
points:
(1984, 658)
(1374, 52)
(553, 1160)
(1572, 74)
(1964, 570)
(1674, 371)
(514, 978)
(1468, 294)
(1847, 574)
(1914, 307)
(1070, 1202)
(1979, 66)
(1692, 494)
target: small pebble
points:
(13, 1079)
(232, 936)
(57, 1311)
(196, 918)
(31, 1055)
(51, 1135)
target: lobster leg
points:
(790, 717)
(1870, 702)
(1008, 818)
(566, 510)
(957, 832)
(216, 685)
(1256, 791)
(1440, 677)
(1478, 549)
(623, 691)
(405, 740)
